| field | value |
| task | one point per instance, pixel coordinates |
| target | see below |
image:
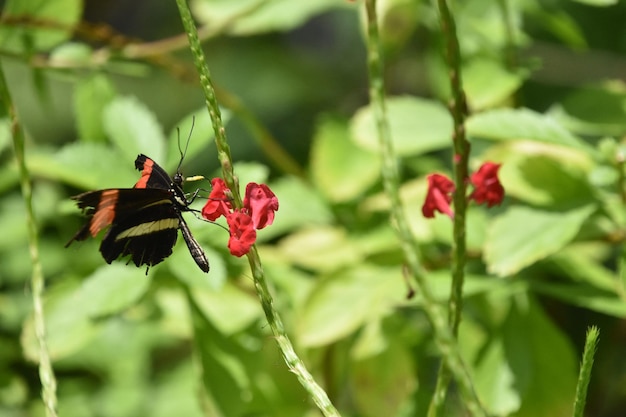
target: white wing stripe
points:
(149, 227)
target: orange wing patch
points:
(105, 212)
(145, 174)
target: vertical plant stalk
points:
(510, 46)
(620, 166)
(46, 373)
(444, 336)
(292, 360)
(461, 147)
(591, 343)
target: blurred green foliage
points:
(96, 83)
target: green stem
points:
(46, 373)
(444, 337)
(591, 343)
(458, 110)
(294, 363)
(510, 45)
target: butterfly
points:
(144, 220)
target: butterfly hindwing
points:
(147, 235)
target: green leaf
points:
(575, 262)
(417, 126)
(340, 169)
(134, 129)
(412, 194)
(176, 393)
(487, 83)
(371, 292)
(68, 326)
(621, 269)
(397, 22)
(585, 296)
(241, 308)
(542, 360)
(594, 110)
(91, 96)
(327, 248)
(369, 342)
(546, 175)
(6, 137)
(62, 15)
(246, 17)
(516, 124)
(441, 282)
(560, 23)
(300, 205)
(12, 223)
(492, 374)
(597, 3)
(121, 355)
(224, 376)
(389, 375)
(71, 54)
(85, 165)
(113, 288)
(524, 235)
(293, 284)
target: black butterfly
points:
(144, 220)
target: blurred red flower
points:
(438, 196)
(487, 187)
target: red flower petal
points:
(242, 233)
(438, 196)
(260, 203)
(218, 203)
(487, 187)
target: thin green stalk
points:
(292, 360)
(591, 343)
(510, 45)
(458, 110)
(46, 373)
(444, 337)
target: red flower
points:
(487, 187)
(242, 233)
(218, 203)
(438, 196)
(260, 203)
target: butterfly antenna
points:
(183, 153)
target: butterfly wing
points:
(147, 235)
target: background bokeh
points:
(95, 83)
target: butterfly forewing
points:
(152, 175)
